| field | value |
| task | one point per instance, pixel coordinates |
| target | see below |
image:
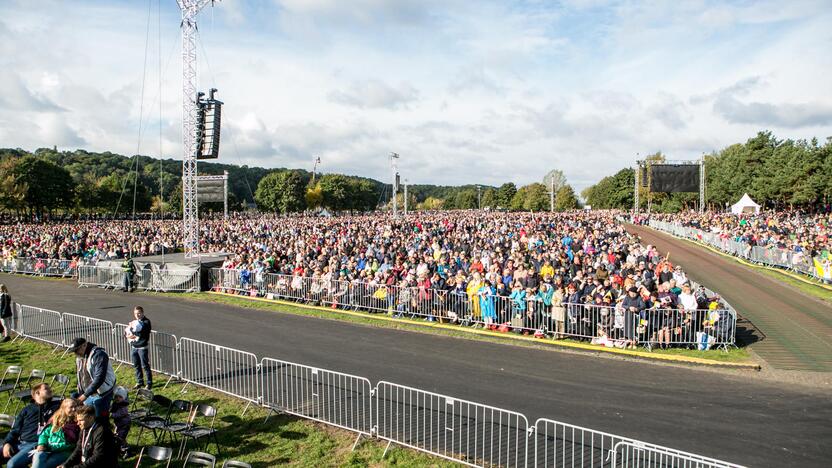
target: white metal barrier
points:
(612, 326)
(40, 324)
(634, 454)
(91, 329)
(559, 444)
(99, 276)
(330, 397)
(40, 266)
(225, 370)
(470, 433)
(167, 280)
(817, 268)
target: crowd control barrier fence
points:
(817, 268)
(463, 431)
(607, 325)
(40, 266)
(163, 280)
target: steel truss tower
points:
(190, 213)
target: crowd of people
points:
(796, 231)
(519, 271)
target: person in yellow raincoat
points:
(472, 290)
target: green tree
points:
(489, 198)
(537, 198)
(505, 195)
(565, 199)
(48, 186)
(465, 200)
(281, 191)
(335, 189)
(12, 193)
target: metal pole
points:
(190, 213)
(405, 197)
(393, 158)
(315, 168)
(636, 190)
(552, 194)
(702, 184)
(479, 197)
(225, 195)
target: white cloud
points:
(372, 94)
(466, 92)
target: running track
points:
(735, 417)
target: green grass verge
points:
(806, 288)
(283, 440)
(734, 355)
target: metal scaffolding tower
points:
(190, 213)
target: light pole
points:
(479, 197)
(395, 183)
(405, 197)
(317, 161)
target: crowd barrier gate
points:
(330, 397)
(451, 428)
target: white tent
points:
(745, 205)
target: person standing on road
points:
(138, 334)
(96, 379)
(5, 311)
(128, 269)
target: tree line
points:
(777, 174)
(47, 181)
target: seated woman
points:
(57, 441)
(96, 447)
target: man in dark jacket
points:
(138, 334)
(23, 438)
(96, 379)
(96, 447)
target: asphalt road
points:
(797, 327)
(735, 417)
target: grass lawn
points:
(734, 355)
(809, 289)
(283, 440)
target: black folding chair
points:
(195, 432)
(200, 459)
(174, 427)
(24, 395)
(154, 422)
(163, 454)
(145, 397)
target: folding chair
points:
(61, 379)
(235, 464)
(6, 386)
(154, 422)
(25, 396)
(174, 427)
(196, 432)
(142, 395)
(6, 420)
(156, 454)
(200, 459)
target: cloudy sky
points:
(475, 91)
